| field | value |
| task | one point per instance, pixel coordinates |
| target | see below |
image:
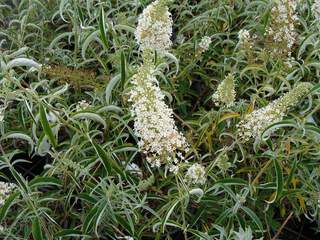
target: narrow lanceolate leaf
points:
(123, 68)
(110, 87)
(46, 126)
(19, 179)
(18, 135)
(102, 29)
(71, 233)
(165, 220)
(36, 229)
(45, 181)
(103, 156)
(7, 204)
(88, 224)
(106, 160)
(91, 116)
(20, 62)
(286, 123)
(279, 177)
(253, 216)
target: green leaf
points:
(165, 220)
(71, 233)
(88, 224)
(112, 83)
(286, 123)
(123, 68)
(102, 25)
(46, 127)
(20, 180)
(254, 217)
(92, 116)
(36, 229)
(19, 62)
(45, 181)
(103, 156)
(15, 135)
(7, 204)
(279, 178)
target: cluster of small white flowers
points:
(196, 174)
(5, 190)
(205, 43)
(256, 122)
(244, 37)
(82, 105)
(289, 62)
(281, 32)
(222, 162)
(154, 125)
(225, 93)
(155, 27)
(159, 138)
(315, 9)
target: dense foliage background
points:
(71, 160)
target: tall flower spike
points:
(281, 34)
(154, 125)
(225, 93)
(256, 122)
(154, 28)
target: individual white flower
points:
(256, 122)
(281, 34)
(51, 116)
(196, 174)
(154, 28)
(134, 169)
(315, 9)
(5, 190)
(225, 93)
(205, 43)
(154, 125)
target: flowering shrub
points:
(159, 119)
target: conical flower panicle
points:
(154, 125)
(225, 93)
(256, 122)
(281, 34)
(154, 28)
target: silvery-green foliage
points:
(72, 161)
